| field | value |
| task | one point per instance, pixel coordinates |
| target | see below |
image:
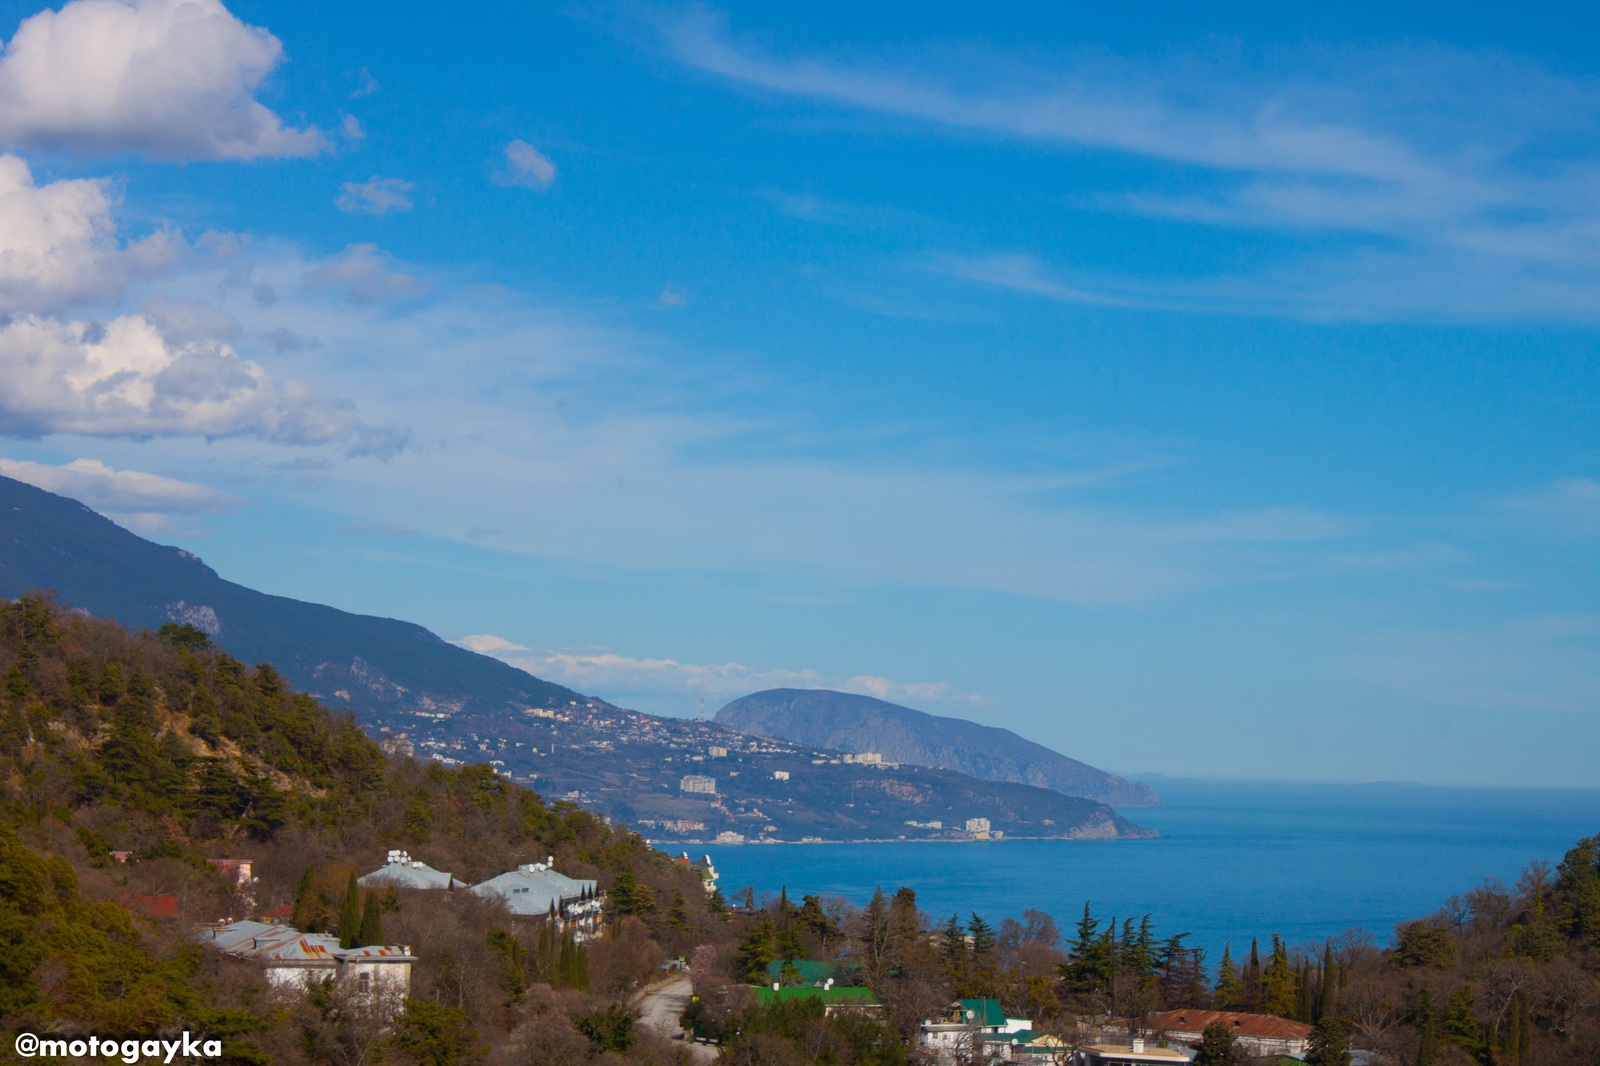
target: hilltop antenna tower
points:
(702, 708)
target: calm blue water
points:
(1235, 860)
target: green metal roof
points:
(861, 997)
(985, 1012)
(811, 971)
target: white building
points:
(972, 1028)
(717, 752)
(865, 758)
(295, 961)
(978, 826)
(780, 775)
(698, 783)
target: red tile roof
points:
(1197, 1021)
(153, 906)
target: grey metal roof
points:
(531, 889)
(284, 945)
(402, 871)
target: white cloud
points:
(376, 196)
(58, 242)
(364, 275)
(170, 79)
(350, 126)
(526, 166)
(671, 297)
(143, 502)
(620, 677)
(125, 378)
(489, 644)
(1458, 185)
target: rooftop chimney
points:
(1138, 1044)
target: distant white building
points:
(295, 961)
(400, 870)
(780, 775)
(728, 836)
(717, 752)
(865, 758)
(978, 827)
(698, 783)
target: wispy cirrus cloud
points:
(1446, 183)
(621, 677)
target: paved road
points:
(659, 1007)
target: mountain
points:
(432, 699)
(351, 660)
(847, 722)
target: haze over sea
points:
(1235, 860)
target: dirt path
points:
(659, 1007)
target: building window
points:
(364, 982)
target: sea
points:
(1235, 860)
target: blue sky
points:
(1203, 392)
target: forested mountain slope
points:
(170, 753)
(358, 661)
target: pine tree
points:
(1229, 991)
(1427, 1024)
(875, 934)
(677, 913)
(350, 914)
(371, 923)
(1329, 1044)
(756, 952)
(955, 943)
(983, 938)
(1278, 984)
(1461, 1025)
(1218, 1047)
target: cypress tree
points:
(305, 903)
(1252, 978)
(580, 967)
(371, 923)
(1328, 998)
(350, 914)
